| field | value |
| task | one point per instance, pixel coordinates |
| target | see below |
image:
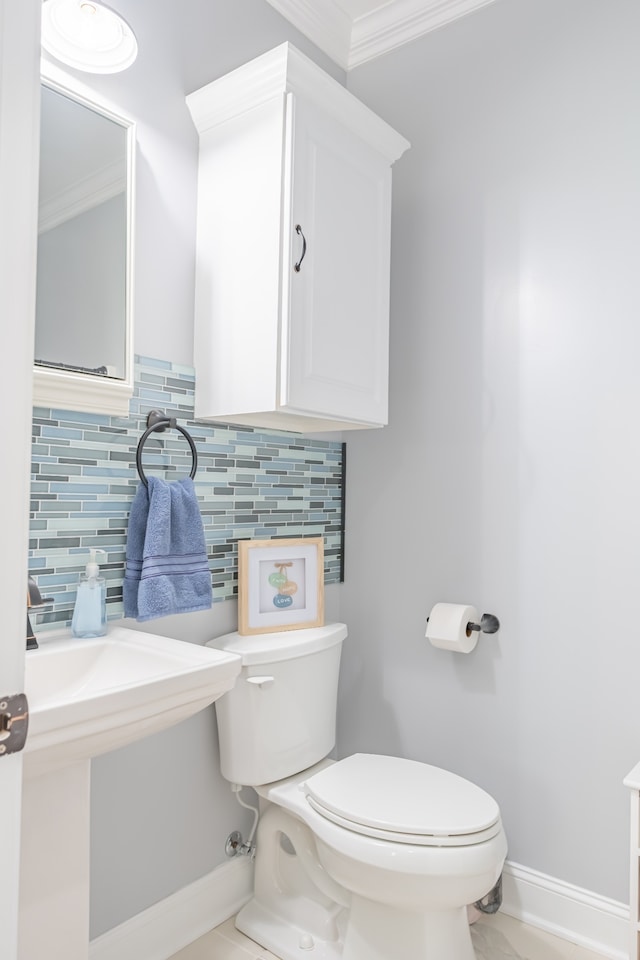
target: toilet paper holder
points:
(488, 624)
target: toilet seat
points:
(403, 801)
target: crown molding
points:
(282, 71)
(401, 21)
(353, 42)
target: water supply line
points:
(235, 844)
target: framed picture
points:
(280, 584)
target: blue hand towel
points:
(167, 568)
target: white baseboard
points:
(166, 927)
(569, 912)
(577, 915)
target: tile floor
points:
(495, 938)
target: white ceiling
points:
(354, 31)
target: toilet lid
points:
(403, 800)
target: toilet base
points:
(378, 932)
(373, 933)
(282, 938)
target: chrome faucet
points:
(34, 599)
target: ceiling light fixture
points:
(87, 35)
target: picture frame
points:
(280, 584)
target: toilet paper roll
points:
(447, 627)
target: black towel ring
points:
(158, 422)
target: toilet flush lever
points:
(263, 682)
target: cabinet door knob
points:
(304, 248)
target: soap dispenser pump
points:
(90, 612)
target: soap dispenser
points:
(90, 612)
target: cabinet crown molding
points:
(286, 70)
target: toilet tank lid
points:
(283, 645)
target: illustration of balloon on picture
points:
(286, 588)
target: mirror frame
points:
(65, 389)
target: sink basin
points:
(89, 696)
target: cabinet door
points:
(238, 267)
(335, 324)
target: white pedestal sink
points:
(87, 697)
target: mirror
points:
(83, 332)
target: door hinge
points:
(14, 723)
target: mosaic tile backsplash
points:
(255, 484)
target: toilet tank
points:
(280, 716)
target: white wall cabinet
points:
(293, 249)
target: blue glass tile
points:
(250, 483)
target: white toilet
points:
(366, 858)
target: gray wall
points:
(508, 477)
